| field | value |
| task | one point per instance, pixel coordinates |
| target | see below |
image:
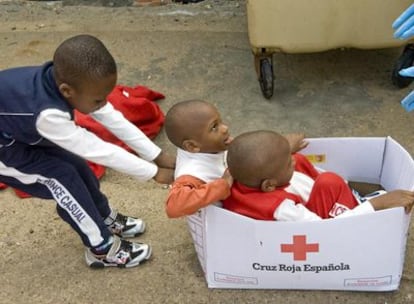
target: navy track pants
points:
(54, 173)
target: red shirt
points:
(254, 203)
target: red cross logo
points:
(299, 248)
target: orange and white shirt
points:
(198, 182)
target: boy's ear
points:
(66, 90)
(268, 185)
(191, 145)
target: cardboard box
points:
(364, 252)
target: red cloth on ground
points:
(138, 106)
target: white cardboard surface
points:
(364, 252)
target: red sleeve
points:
(303, 165)
(188, 194)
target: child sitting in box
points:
(196, 129)
(271, 183)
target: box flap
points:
(356, 159)
(398, 167)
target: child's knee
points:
(330, 179)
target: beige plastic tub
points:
(294, 26)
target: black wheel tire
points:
(404, 61)
(266, 77)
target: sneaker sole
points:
(100, 265)
(127, 236)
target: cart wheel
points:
(404, 61)
(266, 77)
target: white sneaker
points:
(362, 199)
(125, 226)
(123, 254)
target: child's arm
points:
(165, 160)
(164, 176)
(58, 127)
(131, 135)
(188, 194)
(396, 198)
(289, 211)
(296, 141)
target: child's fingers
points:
(408, 208)
(304, 144)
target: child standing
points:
(271, 183)
(43, 152)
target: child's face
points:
(212, 134)
(91, 96)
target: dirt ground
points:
(185, 51)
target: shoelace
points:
(125, 246)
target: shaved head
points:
(186, 120)
(254, 156)
(82, 57)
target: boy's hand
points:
(227, 176)
(164, 160)
(164, 176)
(396, 198)
(296, 141)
